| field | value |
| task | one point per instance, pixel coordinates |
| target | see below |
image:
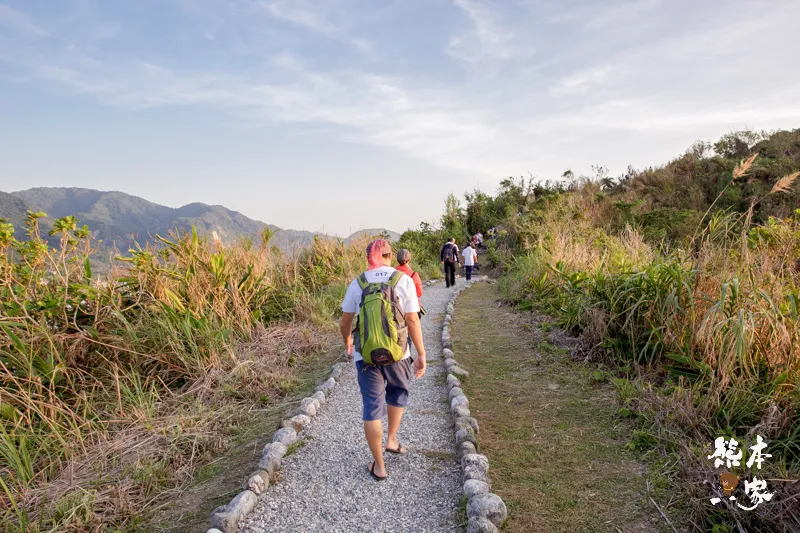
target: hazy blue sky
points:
(346, 114)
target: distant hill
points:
(393, 235)
(11, 207)
(119, 219)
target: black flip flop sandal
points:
(373, 474)
(400, 450)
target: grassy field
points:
(549, 425)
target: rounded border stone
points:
(486, 511)
(481, 525)
(285, 436)
(226, 518)
(489, 506)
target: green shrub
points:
(668, 225)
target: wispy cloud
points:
(582, 81)
(617, 17)
(614, 15)
(488, 38)
(314, 19)
(373, 109)
(18, 21)
(488, 28)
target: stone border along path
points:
(486, 512)
(323, 485)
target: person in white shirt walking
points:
(470, 260)
(380, 348)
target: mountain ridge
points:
(120, 219)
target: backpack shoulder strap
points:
(395, 278)
(397, 309)
(362, 281)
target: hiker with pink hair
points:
(383, 304)
(375, 252)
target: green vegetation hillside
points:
(11, 207)
(683, 282)
(391, 235)
(118, 220)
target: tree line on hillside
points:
(665, 203)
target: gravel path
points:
(326, 487)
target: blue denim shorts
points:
(383, 384)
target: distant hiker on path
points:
(403, 257)
(470, 260)
(386, 305)
(449, 258)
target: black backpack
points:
(450, 253)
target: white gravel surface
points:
(326, 487)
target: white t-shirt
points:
(470, 255)
(405, 291)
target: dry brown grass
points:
(785, 183)
(743, 167)
(144, 456)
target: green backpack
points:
(380, 334)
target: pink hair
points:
(375, 251)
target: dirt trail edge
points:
(326, 487)
(549, 425)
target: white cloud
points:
(488, 38)
(19, 22)
(619, 16)
(296, 13)
(380, 110)
(612, 15)
(582, 81)
(488, 29)
(315, 18)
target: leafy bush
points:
(669, 226)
